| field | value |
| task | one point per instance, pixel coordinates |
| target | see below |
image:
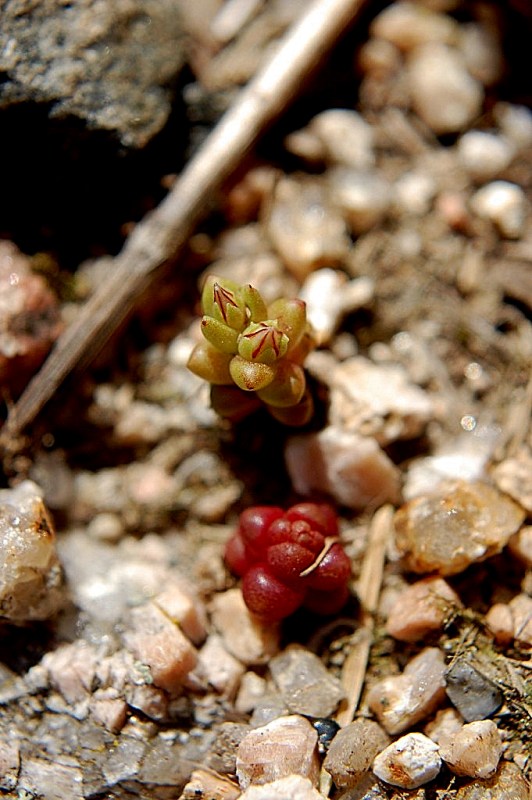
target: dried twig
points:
(369, 587)
(159, 237)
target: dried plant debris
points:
(132, 663)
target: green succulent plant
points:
(253, 353)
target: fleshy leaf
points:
(220, 335)
(255, 303)
(294, 416)
(210, 364)
(263, 342)
(232, 403)
(221, 299)
(287, 388)
(291, 316)
(251, 375)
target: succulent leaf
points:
(287, 388)
(262, 341)
(210, 364)
(251, 375)
(220, 335)
(256, 305)
(291, 316)
(221, 299)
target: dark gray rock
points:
(472, 693)
(108, 62)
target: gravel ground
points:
(394, 199)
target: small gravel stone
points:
(352, 751)
(414, 192)
(9, 764)
(508, 783)
(444, 94)
(377, 401)
(30, 321)
(345, 136)
(512, 620)
(206, 785)
(350, 468)
(71, 669)
(251, 691)
(218, 668)
(30, 573)
(410, 762)
(484, 155)
(293, 786)
(471, 692)
(454, 527)
(49, 779)
(514, 477)
(304, 228)
(305, 684)
(106, 526)
(505, 205)
(515, 123)
(184, 609)
(446, 722)
(402, 700)
(421, 609)
(286, 746)
(362, 196)
(481, 49)
(520, 545)
(244, 635)
(157, 642)
(406, 25)
(474, 751)
(108, 709)
(329, 296)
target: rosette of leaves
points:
(253, 353)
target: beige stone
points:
(293, 786)
(283, 747)
(402, 700)
(475, 750)
(409, 762)
(421, 609)
(352, 751)
(245, 636)
(218, 668)
(159, 644)
(184, 609)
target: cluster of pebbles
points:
(159, 682)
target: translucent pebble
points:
(30, 573)
(455, 526)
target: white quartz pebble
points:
(515, 122)
(443, 93)
(483, 154)
(414, 192)
(504, 204)
(475, 750)
(409, 762)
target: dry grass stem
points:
(369, 587)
